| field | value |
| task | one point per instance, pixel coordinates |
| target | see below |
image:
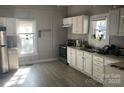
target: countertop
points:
(119, 65)
(101, 55)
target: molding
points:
(38, 61)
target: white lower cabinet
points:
(68, 55)
(79, 60)
(114, 77)
(71, 56)
(13, 59)
(98, 68)
(88, 63)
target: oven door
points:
(63, 52)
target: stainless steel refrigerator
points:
(3, 51)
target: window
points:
(26, 32)
(100, 28)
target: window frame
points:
(35, 38)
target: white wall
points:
(47, 17)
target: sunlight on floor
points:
(19, 77)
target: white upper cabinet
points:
(114, 22)
(74, 26)
(67, 22)
(11, 26)
(121, 31)
(80, 25)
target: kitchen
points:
(91, 36)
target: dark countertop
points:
(119, 65)
(101, 55)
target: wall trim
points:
(38, 61)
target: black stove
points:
(63, 52)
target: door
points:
(79, 59)
(74, 26)
(68, 55)
(121, 31)
(79, 25)
(3, 59)
(88, 63)
(114, 22)
(73, 57)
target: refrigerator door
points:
(3, 40)
(3, 59)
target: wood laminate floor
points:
(49, 74)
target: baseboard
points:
(40, 61)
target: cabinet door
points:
(68, 55)
(88, 63)
(73, 57)
(88, 66)
(74, 26)
(121, 31)
(79, 60)
(98, 72)
(114, 22)
(79, 25)
(11, 26)
(2, 21)
(13, 60)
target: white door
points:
(73, 57)
(121, 31)
(79, 60)
(113, 22)
(68, 55)
(88, 63)
(79, 25)
(74, 26)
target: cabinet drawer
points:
(98, 58)
(99, 63)
(98, 69)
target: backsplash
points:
(117, 40)
(11, 41)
